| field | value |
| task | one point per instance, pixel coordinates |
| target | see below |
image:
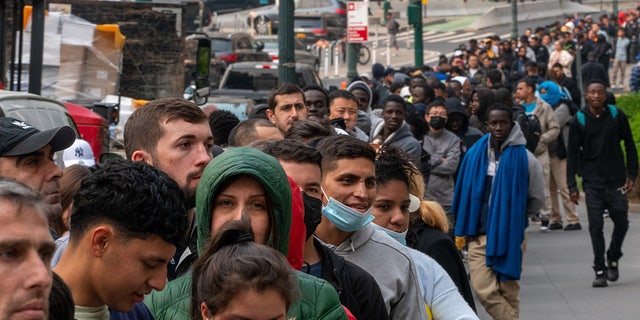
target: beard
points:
(189, 196)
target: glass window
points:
(220, 45)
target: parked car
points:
(39, 112)
(267, 20)
(302, 52)
(310, 28)
(228, 6)
(237, 47)
(255, 80)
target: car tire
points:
(262, 25)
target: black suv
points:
(310, 28)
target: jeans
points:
(597, 201)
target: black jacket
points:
(572, 86)
(595, 149)
(437, 245)
(357, 289)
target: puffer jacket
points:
(318, 299)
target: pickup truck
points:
(254, 80)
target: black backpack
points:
(530, 126)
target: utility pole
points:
(37, 47)
(514, 19)
(414, 15)
(287, 64)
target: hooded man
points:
(318, 298)
(394, 130)
(458, 123)
(499, 183)
(363, 93)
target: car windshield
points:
(308, 23)
(270, 43)
(252, 79)
(220, 45)
(41, 114)
(239, 109)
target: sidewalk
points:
(556, 282)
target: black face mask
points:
(312, 213)
(437, 122)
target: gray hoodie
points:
(536, 189)
(444, 145)
(390, 263)
(402, 138)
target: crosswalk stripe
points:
(467, 38)
(439, 36)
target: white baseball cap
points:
(79, 152)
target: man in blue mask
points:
(349, 187)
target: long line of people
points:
(350, 204)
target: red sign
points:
(358, 34)
(357, 22)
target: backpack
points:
(561, 151)
(396, 26)
(531, 128)
(581, 120)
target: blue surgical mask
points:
(344, 217)
(398, 236)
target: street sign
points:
(357, 22)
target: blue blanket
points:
(506, 219)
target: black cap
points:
(388, 71)
(18, 138)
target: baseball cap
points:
(79, 152)
(19, 138)
(457, 53)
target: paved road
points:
(556, 282)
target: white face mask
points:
(344, 217)
(398, 236)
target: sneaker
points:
(600, 280)
(535, 218)
(396, 54)
(573, 226)
(544, 226)
(555, 226)
(605, 214)
(612, 270)
(384, 53)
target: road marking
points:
(461, 39)
(439, 36)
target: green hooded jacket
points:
(318, 299)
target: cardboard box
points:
(77, 32)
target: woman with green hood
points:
(246, 182)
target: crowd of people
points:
(349, 204)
